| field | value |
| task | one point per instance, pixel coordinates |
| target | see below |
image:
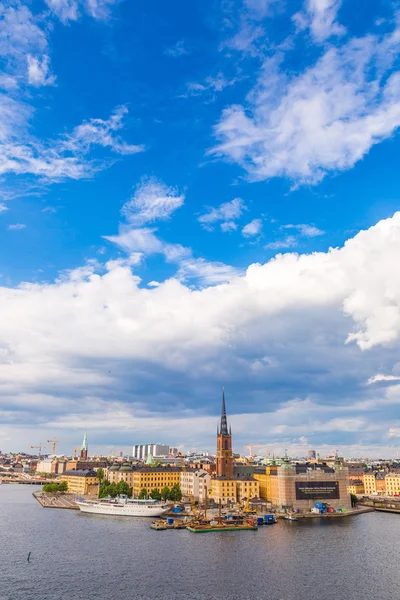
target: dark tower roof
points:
(224, 424)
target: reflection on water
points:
(84, 557)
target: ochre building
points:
(82, 483)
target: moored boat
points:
(290, 517)
(124, 507)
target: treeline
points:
(55, 487)
(113, 490)
(173, 494)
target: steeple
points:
(84, 443)
(224, 424)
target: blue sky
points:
(198, 194)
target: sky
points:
(196, 195)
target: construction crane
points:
(75, 451)
(251, 446)
(40, 448)
(54, 443)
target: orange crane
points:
(40, 448)
(54, 443)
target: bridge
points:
(22, 480)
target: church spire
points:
(84, 443)
(224, 423)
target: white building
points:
(45, 466)
(194, 483)
(142, 451)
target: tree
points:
(155, 494)
(175, 493)
(123, 488)
(143, 494)
(354, 500)
(100, 474)
(165, 493)
(63, 486)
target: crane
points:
(54, 443)
(75, 451)
(251, 446)
(40, 448)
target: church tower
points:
(84, 450)
(224, 446)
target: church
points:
(227, 486)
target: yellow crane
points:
(40, 448)
(54, 443)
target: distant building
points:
(46, 465)
(84, 450)
(142, 451)
(147, 477)
(194, 482)
(299, 486)
(83, 483)
(174, 451)
(312, 455)
(356, 487)
(393, 484)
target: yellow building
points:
(247, 488)
(356, 487)
(82, 483)
(369, 483)
(151, 478)
(268, 484)
(223, 489)
(392, 484)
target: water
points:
(84, 557)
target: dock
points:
(64, 501)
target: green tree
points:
(143, 494)
(63, 486)
(155, 494)
(100, 474)
(354, 500)
(175, 493)
(107, 489)
(165, 493)
(123, 488)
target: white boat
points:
(290, 517)
(124, 507)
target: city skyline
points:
(195, 195)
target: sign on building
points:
(317, 490)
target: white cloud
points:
(3, 207)
(253, 228)
(287, 242)
(102, 133)
(16, 226)
(70, 10)
(152, 201)
(291, 316)
(38, 70)
(320, 17)
(177, 50)
(306, 230)
(226, 214)
(213, 84)
(206, 273)
(325, 119)
(380, 377)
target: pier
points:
(58, 500)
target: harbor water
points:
(88, 557)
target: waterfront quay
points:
(65, 501)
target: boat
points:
(217, 527)
(122, 506)
(157, 526)
(270, 520)
(290, 517)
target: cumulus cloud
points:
(38, 70)
(325, 119)
(281, 327)
(226, 214)
(3, 207)
(253, 228)
(385, 378)
(320, 17)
